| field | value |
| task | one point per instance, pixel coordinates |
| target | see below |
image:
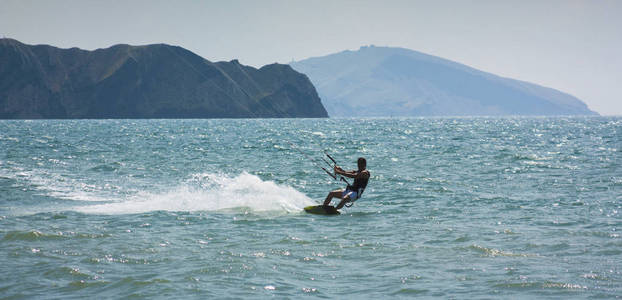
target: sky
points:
(572, 46)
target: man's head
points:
(362, 163)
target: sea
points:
(458, 208)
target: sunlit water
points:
(456, 207)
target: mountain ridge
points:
(391, 81)
(147, 81)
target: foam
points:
(58, 186)
(210, 192)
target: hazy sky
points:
(573, 46)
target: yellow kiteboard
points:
(322, 210)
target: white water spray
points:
(211, 192)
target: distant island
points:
(153, 81)
(386, 81)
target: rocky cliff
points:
(153, 81)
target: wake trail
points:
(210, 192)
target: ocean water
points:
(455, 208)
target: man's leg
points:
(343, 202)
(331, 195)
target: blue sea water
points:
(456, 208)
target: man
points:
(354, 191)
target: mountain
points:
(153, 81)
(386, 81)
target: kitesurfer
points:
(354, 191)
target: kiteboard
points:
(322, 210)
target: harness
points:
(357, 186)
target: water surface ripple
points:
(456, 208)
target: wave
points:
(34, 235)
(210, 192)
(541, 285)
(492, 252)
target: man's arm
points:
(349, 174)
